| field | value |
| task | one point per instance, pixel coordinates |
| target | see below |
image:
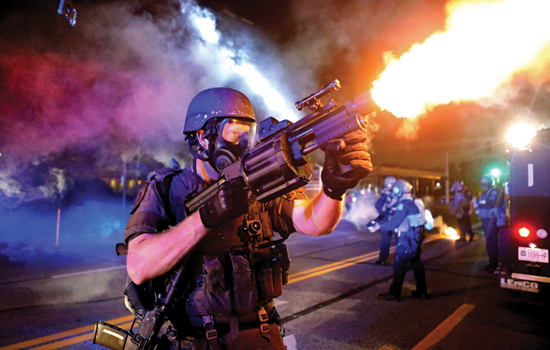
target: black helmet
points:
(217, 103)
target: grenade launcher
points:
(279, 163)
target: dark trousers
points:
(465, 228)
(385, 245)
(400, 269)
(491, 239)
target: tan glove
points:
(351, 151)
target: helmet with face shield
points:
(227, 118)
(389, 181)
(401, 187)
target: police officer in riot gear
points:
(233, 267)
(462, 209)
(490, 205)
(385, 206)
(409, 222)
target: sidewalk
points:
(59, 275)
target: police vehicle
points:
(525, 244)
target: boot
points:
(389, 296)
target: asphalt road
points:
(52, 298)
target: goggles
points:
(234, 131)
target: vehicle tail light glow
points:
(524, 232)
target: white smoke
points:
(17, 194)
(233, 61)
(360, 207)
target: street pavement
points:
(56, 295)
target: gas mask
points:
(232, 139)
(396, 192)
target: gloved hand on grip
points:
(351, 151)
(231, 201)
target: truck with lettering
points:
(525, 244)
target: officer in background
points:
(232, 271)
(462, 208)
(491, 204)
(385, 206)
(409, 222)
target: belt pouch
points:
(217, 295)
(245, 293)
(277, 279)
(265, 280)
(281, 267)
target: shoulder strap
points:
(163, 189)
(163, 181)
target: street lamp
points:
(496, 173)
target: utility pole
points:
(447, 177)
(123, 181)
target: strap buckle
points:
(264, 328)
(262, 315)
(211, 334)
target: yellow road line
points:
(62, 335)
(342, 262)
(74, 340)
(330, 267)
(316, 271)
(444, 328)
(389, 347)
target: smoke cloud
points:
(118, 84)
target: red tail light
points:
(524, 232)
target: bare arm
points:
(151, 255)
(317, 217)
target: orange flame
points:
(485, 43)
(451, 232)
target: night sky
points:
(116, 86)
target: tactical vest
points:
(413, 220)
(235, 269)
(417, 220)
(411, 230)
(487, 204)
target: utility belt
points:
(488, 213)
(246, 321)
(210, 327)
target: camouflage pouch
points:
(245, 293)
(217, 294)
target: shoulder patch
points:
(400, 206)
(139, 198)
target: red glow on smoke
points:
(50, 101)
